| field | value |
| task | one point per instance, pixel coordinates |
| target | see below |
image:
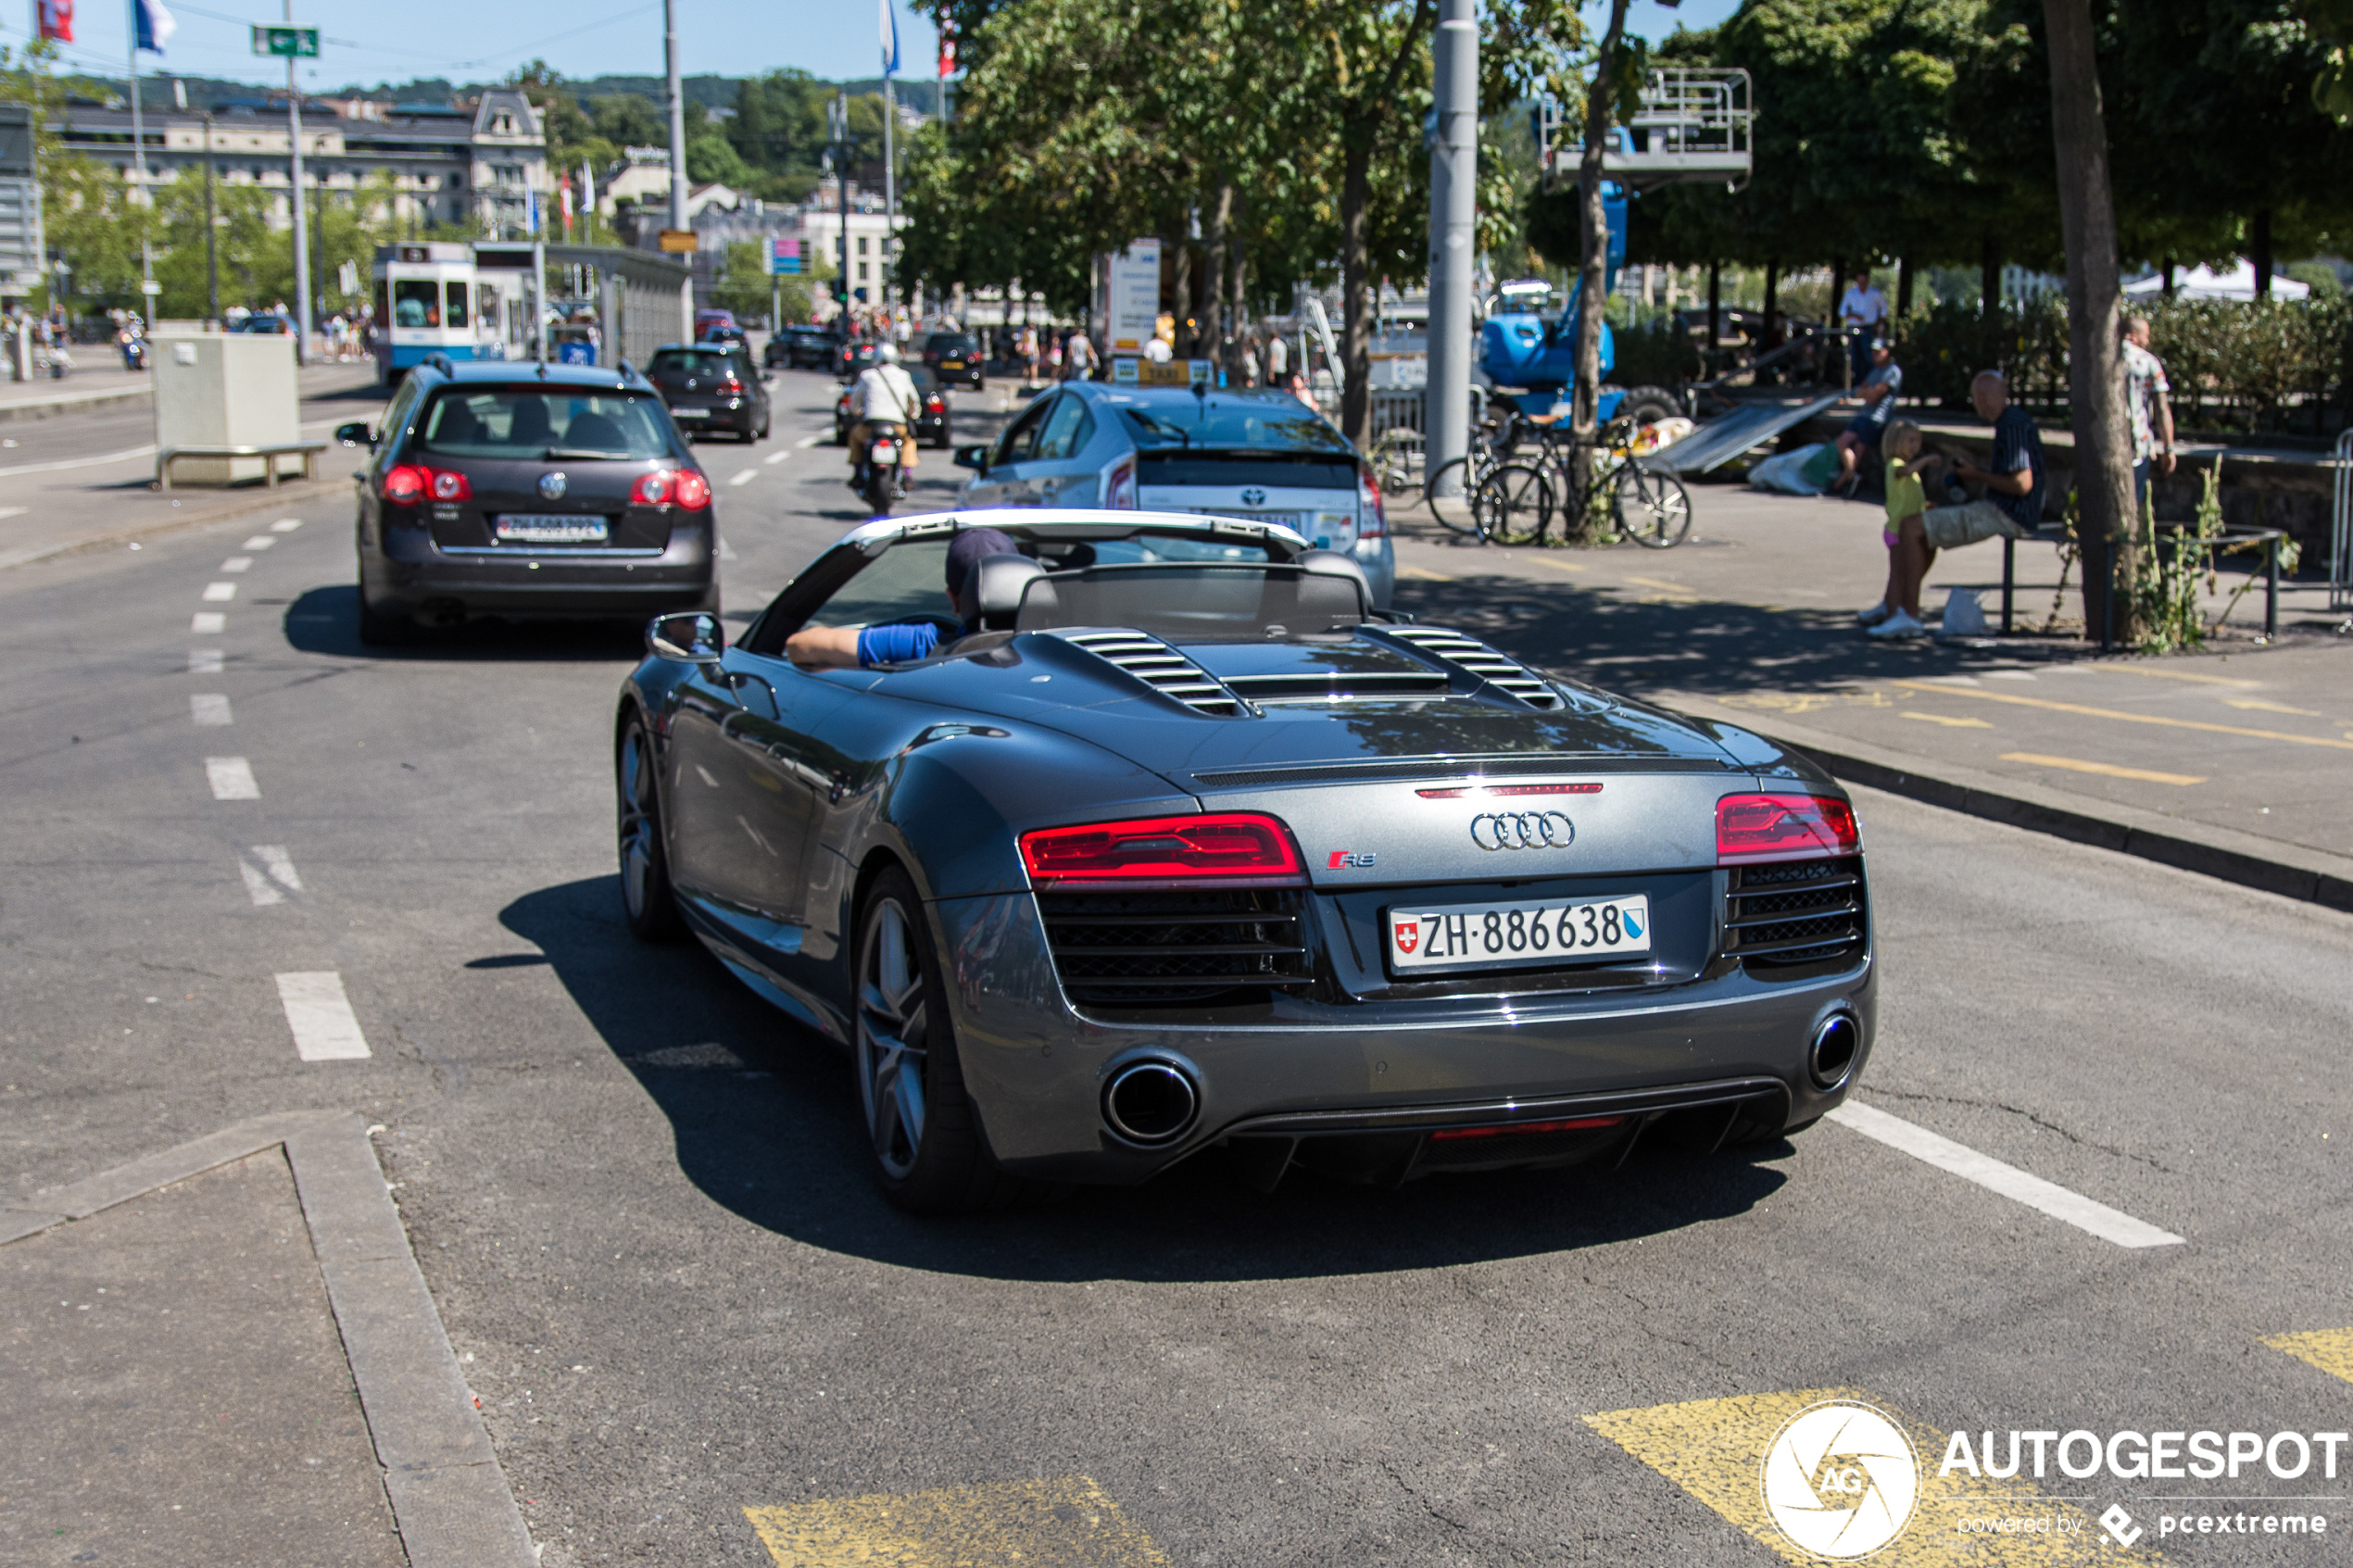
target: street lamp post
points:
(677, 117)
(1454, 222)
(211, 247)
(295, 203)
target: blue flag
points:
(889, 38)
(155, 24)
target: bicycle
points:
(1397, 453)
(1450, 490)
(1516, 501)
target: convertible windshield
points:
(1224, 421)
(1202, 602)
(520, 422)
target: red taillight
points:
(404, 485)
(651, 489)
(1119, 489)
(731, 386)
(1240, 847)
(1458, 792)
(1783, 827)
(1581, 1124)
(935, 401)
(450, 485)
(692, 491)
(1372, 517)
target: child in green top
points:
(1906, 497)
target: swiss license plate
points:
(690, 413)
(1516, 935)
(886, 451)
(524, 529)
(951, 364)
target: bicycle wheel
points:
(1652, 508)
(1514, 504)
(1453, 512)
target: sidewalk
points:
(2248, 745)
(98, 381)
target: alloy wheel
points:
(892, 1038)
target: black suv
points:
(802, 348)
(712, 386)
(515, 490)
(955, 357)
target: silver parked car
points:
(1262, 456)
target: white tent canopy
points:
(2201, 283)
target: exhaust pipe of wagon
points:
(1151, 1102)
(1830, 1056)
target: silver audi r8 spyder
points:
(1165, 840)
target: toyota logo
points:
(1253, 497)
(1523, 830)
(551, 486)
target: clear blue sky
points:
(367, 41)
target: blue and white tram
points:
(425, 304)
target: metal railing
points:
(1693, 125)
(2341, 534)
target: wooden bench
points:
(2167, 533)
(308, 451)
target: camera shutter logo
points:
(1523, 830)
(1841, 1479)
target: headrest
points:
(993, 592)
(1330, 564)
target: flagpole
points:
(294, 201)
(890, 160)
(139, 162)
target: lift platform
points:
(1692, 128)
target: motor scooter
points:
(887, 454)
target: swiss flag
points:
(1409, 932)
(57, 20)
(947, 47)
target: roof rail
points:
(441, 362)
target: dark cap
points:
(967, 551)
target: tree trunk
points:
(1989, 281)
(2259, 245)
(1714, 311)
(1592, 279)
(1771, 336)
(1180, 290)
(2169, 277)
(1903, 288)
(1213, 316)
(1237, 283)
(1356, 332)
(2095, 376)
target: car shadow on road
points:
(764, 1119)
(326, 620)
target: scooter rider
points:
(883, 393)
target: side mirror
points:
(690, 638)
(974, 457)
(356, 434)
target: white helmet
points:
(887, 354)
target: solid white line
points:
(237, 563)
(778, 456)
(269, 875)
(219, 593)
(746, 476)
(203, 661)
(259, 542)
(207, 623)
(806, 442)
(320, 1016)
(209, 707)
(62, 463)
(2108, 1224)
(14, 511)
(285, 525)
(232, 778)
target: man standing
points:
(1278, 361)
(1079, 359)
(2012, 506)
(1862, 311)
(2148, 400)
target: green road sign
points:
(286, 43)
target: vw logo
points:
(1253, 497)
(1523, 830)
(552, 486)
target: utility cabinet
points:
(224, 389)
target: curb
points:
(298, 492)
(2313, 876)
(73, 403)
(450, 1500)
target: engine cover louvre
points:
(1161, 668)
(1467, 653)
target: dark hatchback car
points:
(957, 357)
(852, 357)
(712, 386)
(802, 348)
(528, 491)
(931, 416)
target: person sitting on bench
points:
(2012, 505)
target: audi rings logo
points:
(1523, 830)
(1841, 1479)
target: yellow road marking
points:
(1714, 1449)
(1560, 565)
(2108, 770)
(1662, 584)
(2127, 718)
(2330, 1350)
(1947, 721)
(1070, 1521)
(2272, 707)
(2148, 672)
(1424, 573)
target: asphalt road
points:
(636, 1192)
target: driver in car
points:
(883, 391)
(898, 642)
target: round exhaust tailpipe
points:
(1830, 1057)
(1151, 1102)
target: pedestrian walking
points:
(1079, 359)
(2012, 506)
(1278, 361)
(1250, 362)
(1862, 311)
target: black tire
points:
(1514, 504)
(648, 901)
(928, 1152)
(1652, 509)
(383, 628)
(1648, 405)
(1452, 512)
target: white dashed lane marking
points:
(779, 455)
(209, 623)
(285, 525)
(806, 442)
(14, 511)
(269, 874)
(209, 707)
(219, 593)
(232, 778)
(259, 542)
(320, 1016)
(746, 476)
(726, 551)
(237, 563)
(2108, 1224)
(203, 661)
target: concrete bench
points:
(308, 451)
(2172, 533)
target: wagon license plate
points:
(689, 413)
(1516, 935)
(524, 529)
(951, 364)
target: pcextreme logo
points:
(1841, 1479)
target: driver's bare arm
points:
(824, 647)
